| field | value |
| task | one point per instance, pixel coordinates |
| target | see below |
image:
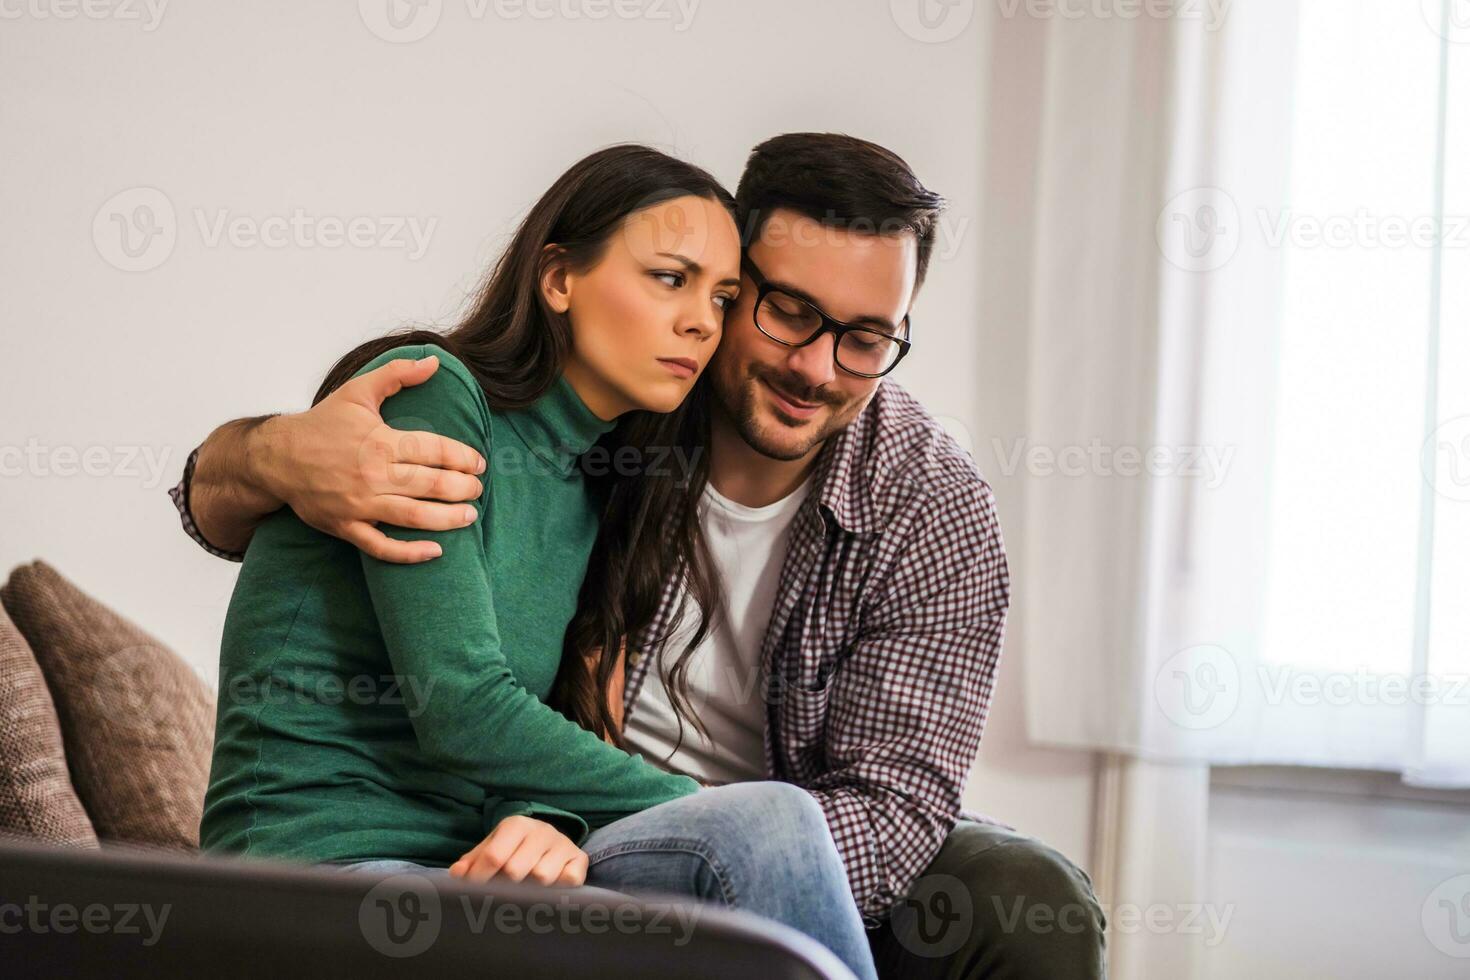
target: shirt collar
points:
(839, 474)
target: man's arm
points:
(339, 467)
(909, 705)
(220, 491)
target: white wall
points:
(1045, 792)
(266, 109)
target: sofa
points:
(105, 744)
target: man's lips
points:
(684, 367)
(790, 406)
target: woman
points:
(391, 716)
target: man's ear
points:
(556, 286)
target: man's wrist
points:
(265, 443)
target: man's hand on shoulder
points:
(342, 469)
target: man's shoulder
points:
(908, 457)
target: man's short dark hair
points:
(840, 181)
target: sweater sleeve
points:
(438, 621)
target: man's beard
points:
(743, 410)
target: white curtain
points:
(1248, 466)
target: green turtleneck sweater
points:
(373, 710)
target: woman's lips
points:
(797, 410)
(682, 367)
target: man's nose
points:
(814, 361)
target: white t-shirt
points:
(724, 691)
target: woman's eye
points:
(677, 277)
(724, 302)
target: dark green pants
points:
(994, 904)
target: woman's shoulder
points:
(452, 389)
(448, 363)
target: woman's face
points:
(647, 316)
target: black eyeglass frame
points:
(830, 324)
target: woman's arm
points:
(470, 714)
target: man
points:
(858, 548)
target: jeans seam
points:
(674, 845)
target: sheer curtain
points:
(1253, 334)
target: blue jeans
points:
(761, 847)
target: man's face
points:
(785, 401)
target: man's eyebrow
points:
(695, 268)
(869, 319)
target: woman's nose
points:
(702, 322)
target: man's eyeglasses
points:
(863, 350)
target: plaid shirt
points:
(881, 653)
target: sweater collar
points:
(558, 427)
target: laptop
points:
(128, 913)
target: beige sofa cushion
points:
(137, 722)
(37, 800)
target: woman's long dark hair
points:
(516, 347)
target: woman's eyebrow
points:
(695, 268)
